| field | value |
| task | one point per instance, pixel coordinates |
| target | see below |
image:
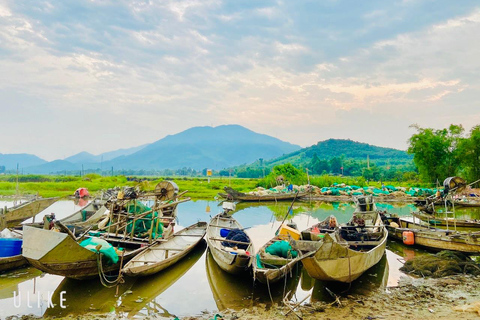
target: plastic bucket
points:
(10, 247)
(224, 233)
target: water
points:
(196, 283)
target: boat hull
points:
(18, 214)
(14, 262)
(57, 253)
(336, 262)
(228, 261)
(437, 239)
(191, 237)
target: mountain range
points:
(225, 146)
(196, 148)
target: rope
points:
(103, 277)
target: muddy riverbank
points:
(443, 298)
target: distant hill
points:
(23, 159)
(197, 148)
(205, 147)
(349, 149)
(85, 157)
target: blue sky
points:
(103, 75)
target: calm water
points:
(196, 283)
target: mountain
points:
(85, 157)
(349, 149)
(205, 147)
(23, 159)
(196, 148)
(56, 166)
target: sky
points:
(101, 75)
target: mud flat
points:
(423, 298)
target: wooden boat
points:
(23, 211)
(474, 203)
(14, 262)
(269, 268)
(86, 216)
(444, 222)
(231, 255)
(164, 254)
(234, 195)
(347, 253)
(433, 238)
(58, 253)
(131, 226)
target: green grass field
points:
(52, 186)
(198, 188)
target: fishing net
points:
(237, 235)
(106, 248)
(442, 264)
(282, 249)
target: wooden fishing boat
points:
(474, 203)
(233, 256)
(269, 268)
(444, 222)
(86, 216)
(164, 254)
(130, 225)
(14, 262)
(234, 195)
(23, 211)
(433, 238)
(58, 253)
(347, 253)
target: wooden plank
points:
(231, 241)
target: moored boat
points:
(58, 253)
(344, 255)
(230, 246)
(275, 260)
(164, 254)
(13, 262)
(234, 195)
(23, 211)
(416, 234)
(451, 222)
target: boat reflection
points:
(141, 300)
(9, 281)
(239, 291)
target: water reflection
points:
(239, 291)
(134, 296)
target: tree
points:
(469, 150)
(318, 166)
(435, 152)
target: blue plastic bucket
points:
(10, 247)
(224, 233)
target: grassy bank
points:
(52, 186)
(199, 188)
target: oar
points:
(288, 211)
